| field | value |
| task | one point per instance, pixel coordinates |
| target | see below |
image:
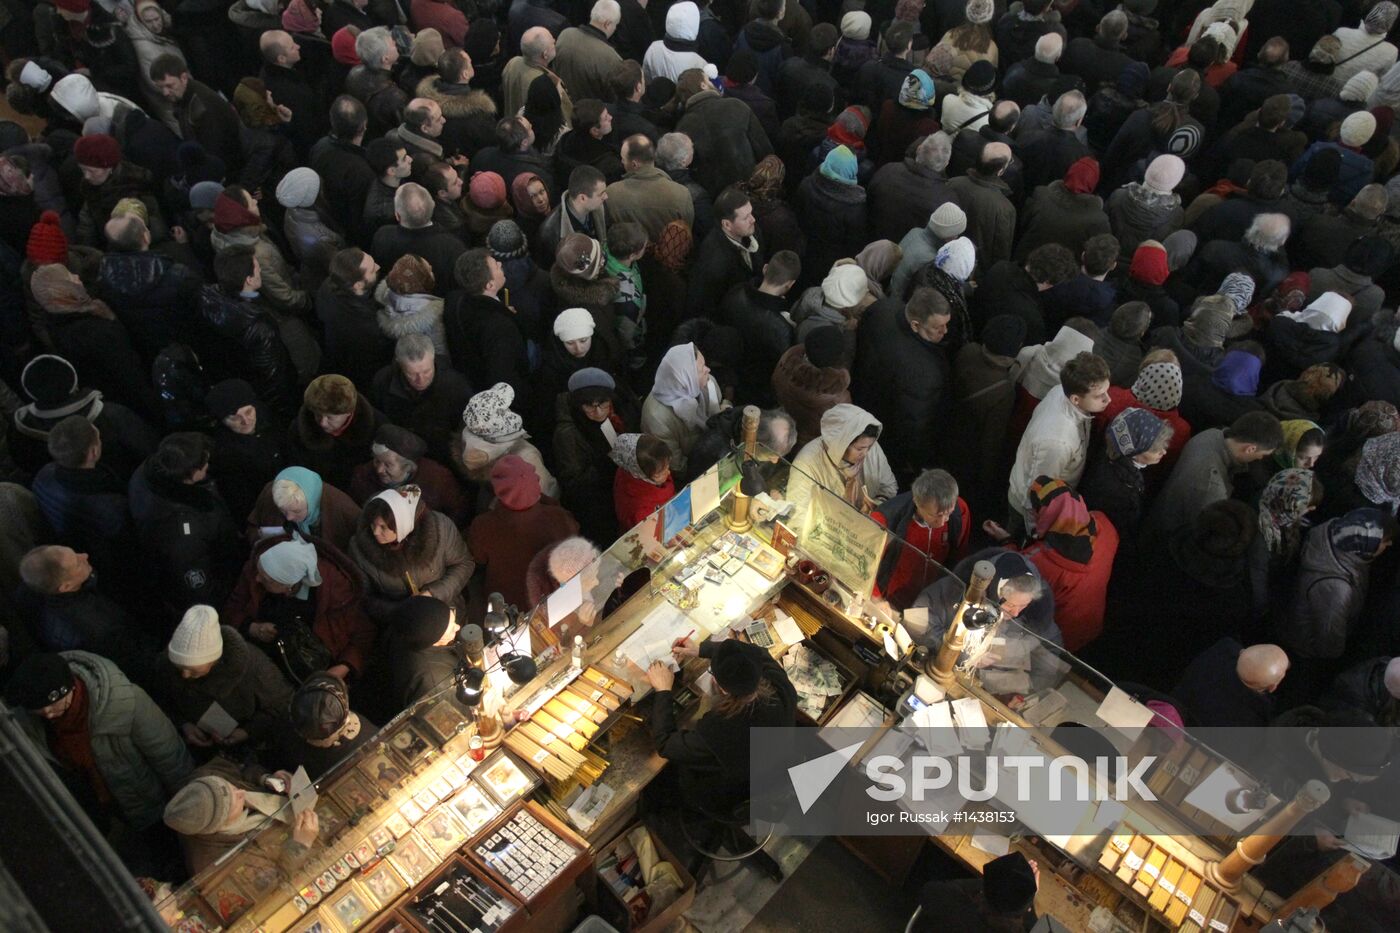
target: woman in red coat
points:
(289, 582)
(1073, 549)
(643, 481)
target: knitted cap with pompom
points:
(47, 243)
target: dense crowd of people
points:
(323, 319)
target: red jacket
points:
(442, 16)
(635, 499)
(341, 623)
(1080, 589)
(505, 541)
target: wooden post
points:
(1335, 880)
(956, 636)
(1250, 851)
(739, 519)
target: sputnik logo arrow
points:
(811, 778)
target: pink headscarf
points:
(298, 17)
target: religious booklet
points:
(1372, 836)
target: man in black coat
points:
(484, 337)
(203, 114)
(1246, 90)
(423, 393)
(417, 234)
(901, 375)
(421, 652)
(1229, 685)
(903, 194)
(758, 313)
(812, 67)
(1018, 30)
(1047, 155)
(514, 154)
(149, 293)
(372, 81)
(186, 533)
(880, 79)
(290, 89)
(239, 336)
(729, 255)
(247, 445)
(1101, 59)
(354, 346)
(339, 159)
(1030, 79)
(85, 502)
(1009, 288)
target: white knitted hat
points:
(197, 640)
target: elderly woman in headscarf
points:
(1237, 373)
(1330, 587)
(1200, 342)
(1378, 472)
(683, 397)
(972, 41)
(1114, 482)
(905, 117)
(298, 499)
(1304, 397)
(589, 418)
(879, 259)
(296, 595)
(1283, 509)
(1339, 460)
(84, 331)
(403, 549)
(1157, 389)
(778, 227)
(832, 208)
(849, 130)
(423, 55)
(1150, 210)
(1299, 339)
(846, 461)
(490, 431)
(1073, 548)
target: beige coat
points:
(649, 197)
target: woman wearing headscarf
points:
(972, 41)
(849, 130)
(405, 550)
(292, 588)
(1151, 209)
(1299, 339)
(1378, 472)
(1148, 272)
(1303, 444)
(683, 397)
(1114, 482)
(778, 226)
(530, 196)
(297, 497)
(1338, 464)
(490, 431)
(643, 481)
(1238, 373)
(879, 259)
(1305, 397)
(1156, 389)
(544, 108)
(1330, 588)
(87, 334)
(905, 117)
(1199, 343)
(846, 461)
(589, 419)
(149, 32)
(1215, 398)
(1073, 549)
(423, 55)
(1283, 509)
(831, 207)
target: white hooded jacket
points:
(683, 24)
(816, 465)
(1041, 364)
(75, 94)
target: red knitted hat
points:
(97, 150)
(46, 243)
(515, 483)
(1083, 176)
(343, 46)
(230, 215)
(1149, 264)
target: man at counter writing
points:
(710, 763)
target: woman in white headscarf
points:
(683, 397)
(1229, 12)
(404, 550)
(148, 27)
(846, 461)
(291, 586)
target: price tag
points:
(1133, 861)
(596, 696)
(1182, 896)
(539, 756)
(1153, 870)
(562, 732)
(1220, 925)
(1167, 886)
(1197, 917)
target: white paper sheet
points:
(609, 433)
(1371, 835)
(1123, 713)
(1209, 797)
(217, 722)
(302, 792)
(993, 845)
(704, 494)
(934, 729)
(653, 638)
(789, 632)
(564, 601)
(971, 722)
(901, 637)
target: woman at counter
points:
(404, 550)
(712, 760)
(846, 461)
(297, 496)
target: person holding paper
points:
(589, 418)
(711, 761)
(222, 692)
(225, 803)
(296, 496)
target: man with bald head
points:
(645, 194)
(537, 51)
(586, 60)
(986, 199)
(1373, 687)
(289, 87)
(1247, 89)
(416, 233)
(1229, 685)
(420, 134)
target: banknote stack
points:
(816, 679)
